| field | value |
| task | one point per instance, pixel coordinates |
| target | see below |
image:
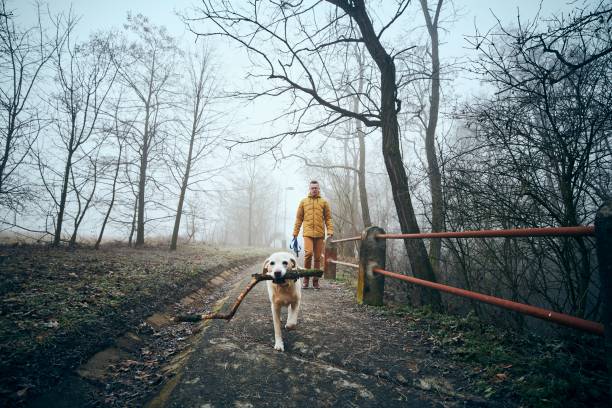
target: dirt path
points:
(341, 354)
(129, 371)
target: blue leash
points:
(295, 247)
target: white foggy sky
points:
(106, 14)
(98, 15)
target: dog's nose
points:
(277, 274)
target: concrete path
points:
(341, 354)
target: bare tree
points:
(146, 66)
(85, 75)
(244, 207)
(119, 130)
(361, 173)
(198, 99)
(347, 180)
(195, 218)
(435, 179)
(538, 153)
(590, 24)
(23, 55)
(89, 180)
(312, 48)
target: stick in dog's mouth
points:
(282, 280)
(256, 278)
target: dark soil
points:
(91, 328)
(58, 306)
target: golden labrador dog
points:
(282, 292)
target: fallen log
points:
(255, 279)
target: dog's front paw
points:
(278, 345)
(290, 326)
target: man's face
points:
(313, 189)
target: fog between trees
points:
(130, 133)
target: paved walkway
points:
(341, 354)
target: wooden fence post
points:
(372, 253)
(331, 254)
(603, 239)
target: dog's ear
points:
(293, 263)
(265, 266)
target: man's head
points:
(313, 188)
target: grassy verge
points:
(504, 365)
(58, 306)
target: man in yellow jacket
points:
(314, 212)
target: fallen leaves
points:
(500, 377)
(72, 302)
(52, 324)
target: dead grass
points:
(59, 306)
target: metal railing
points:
(370, 283)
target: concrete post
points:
(331, 254)
(603, 238)
(372, 253)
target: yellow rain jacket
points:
(315, 213)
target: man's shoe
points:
(315, 283)
(305, 283)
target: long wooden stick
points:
(255, 279)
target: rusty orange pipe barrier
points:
(346, 239)
(522, 232)
(560, 318)
(344, 263)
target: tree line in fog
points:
(125, 128)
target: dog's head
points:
(278, 264)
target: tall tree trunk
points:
(112, 201)
(144, 161)
(8, 142)
(363, 194)
(348, 183)
(81, 214)
(63, 196)
(72, 240)
(179, 211)
(134, 218)
(435, 179)
(110, 205)
(141, 201)
(355, 205)
(185, 182)
(417, 253)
